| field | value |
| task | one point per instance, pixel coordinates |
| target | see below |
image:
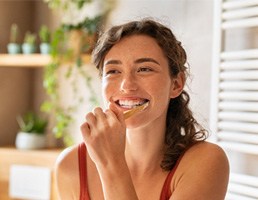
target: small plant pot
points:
(28, 48)
(13, 48)
(30, 141)
(44, 48)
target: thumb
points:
(117, 112)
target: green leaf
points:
(32, 123)
(46, 106)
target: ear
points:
(177, 85)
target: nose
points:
(128, 83)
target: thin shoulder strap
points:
(166, 191)
(84, 195)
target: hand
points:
(104, 135)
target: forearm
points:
(116, 182)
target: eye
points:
(110, 72)
(145, 69)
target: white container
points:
(44, 48)
(13, 48)
(28, 48)
(30, 141)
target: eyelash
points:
(144, 69)
(141, 69)
(113, 71)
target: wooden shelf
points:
(21, 60)
(32, 60)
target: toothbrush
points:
(135, 110)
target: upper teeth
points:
(130, 103)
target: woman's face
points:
(136, 71)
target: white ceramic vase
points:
(30, 141)
(44, 48)
(13, 48)
(28, 48)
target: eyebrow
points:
(112, 62)
(140, 60)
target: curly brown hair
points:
(182, 130)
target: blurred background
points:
(51, 92)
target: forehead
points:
(136, 46)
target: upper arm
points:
(66, 174)
(203, 175)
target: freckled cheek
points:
(108, 89)
(160, 91)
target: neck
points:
(144, 148)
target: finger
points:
(99, 114)
(110, 115)
(118, 113)
(91, 119)
(85, 130)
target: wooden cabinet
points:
(10, 156)
(33, 66)
(21, 89)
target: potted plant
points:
(44, 35)
(29, 43)
(32, 132)
(13, 47)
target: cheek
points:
(104, 88)
(161, 89)
(108, 89)
(161, 98)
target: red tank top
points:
(84, 193)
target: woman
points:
(159, 152)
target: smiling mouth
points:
(130, 104)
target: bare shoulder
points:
(67, 173)
(203, 169)
(204, 156)
(206, 150)
(67, 157)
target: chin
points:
(135, 123)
